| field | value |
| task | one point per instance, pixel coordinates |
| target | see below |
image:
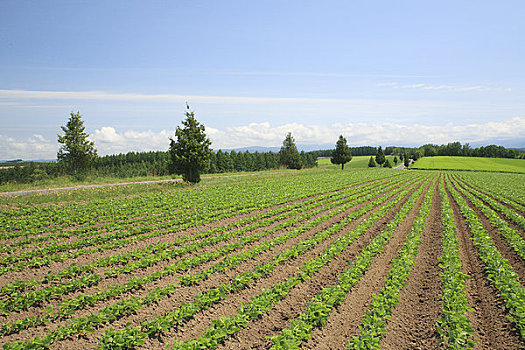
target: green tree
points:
(395, 160)
(372, 163)
(387, 164)
(407, 161)
(341, 154)
(380, 156)
(289, 155)
(190, 154)
(76, 151)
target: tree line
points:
(190, 155)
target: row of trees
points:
(190, 155)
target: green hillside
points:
(471, 163)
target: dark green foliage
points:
(190, 154)
(380, 156)
(289, 155)
(341, 154)
(406, 161)
(387, 164)
(76, 151)
(372, 163)
(395, 160)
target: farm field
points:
(312, 259)
(357, 162)
(470, 163)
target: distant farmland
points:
(471, 163)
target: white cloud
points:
(34, 147)
(423, 86)
(108, 140)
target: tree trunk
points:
(342, 166)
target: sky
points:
(384, 73)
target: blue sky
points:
(379, 72)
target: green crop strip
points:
(260, 304)
(509, 213)
(68, 306)
(453, 325)
(320, 306)
(506, 191)
(119, 309)
(512, 236)
(17, 301)
(499, 272)
(374, 320)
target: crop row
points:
(510, 214)
(320, 306)
(20, 301)
(512, 236)
(499, 272)
(507, 188)
(16, 301)
(38, 219)
(122, 237)
(223, 328)
(453, 325)
(379, 312)
(109, 313)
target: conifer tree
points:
(76, 151)
(289, 155)
(190, 153)
(380, 156)
(341, 154)
(372, 163)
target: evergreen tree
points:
(387, 164)
(76, 151)
(395, 160)
(341, 154)
(372, 163)
(289, 155)
(190, 154)
(407, 161)
(380, 156)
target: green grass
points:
(357, 162)
(471, 163)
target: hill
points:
(471, 163)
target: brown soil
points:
(465, 184)
(186, 292)
(413, 322)
(511, 223)
(517, 263)
(488, 318)
(344, 320)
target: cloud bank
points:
(110, 141)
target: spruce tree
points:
(387, 164)
(76, 151)
(395, 160)
(289, 155)
(407, 161)
(190, 153)
(372, 163)
(341, 154)
(380, 156)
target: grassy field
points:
(471, 163)
(357, 162)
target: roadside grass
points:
(470, 163)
